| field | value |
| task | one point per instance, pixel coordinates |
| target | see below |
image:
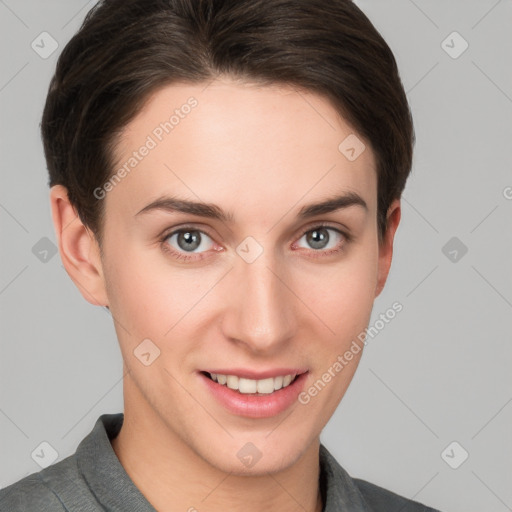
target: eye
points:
(187, 239)
(189, 243)
(320, 240)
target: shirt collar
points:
(103, 471)
(339, 491)
(115, 491)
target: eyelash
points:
(184, 257)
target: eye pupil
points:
(317, 237)
(190, 237)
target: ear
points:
(386, 245)
(78, 248)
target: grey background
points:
(439, 372)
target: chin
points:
(257, 457)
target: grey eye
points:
(318, 238)
(188, 240)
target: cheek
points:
(342, 294)
(151, 298)
(344, 304)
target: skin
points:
(260, 152)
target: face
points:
(261, 292)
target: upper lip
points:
(258, 375)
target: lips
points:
(257, 375)
(249, 401)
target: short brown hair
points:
(126, 49)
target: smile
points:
(250, 386)
(271, 394)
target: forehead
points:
(242, 145)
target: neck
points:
(172, 476)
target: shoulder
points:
(73, 483)
(377, 498)
(341, 491)
(40, 491)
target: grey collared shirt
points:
(93, 480)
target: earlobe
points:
(78, 248)
(386, 245)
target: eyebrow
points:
(212, 211)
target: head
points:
(258, 110)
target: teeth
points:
(265, 385)
(246, 386)
(232, 381)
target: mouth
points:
(272, 393)
(246, 386)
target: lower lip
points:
(263, 405)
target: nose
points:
(260, 310)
